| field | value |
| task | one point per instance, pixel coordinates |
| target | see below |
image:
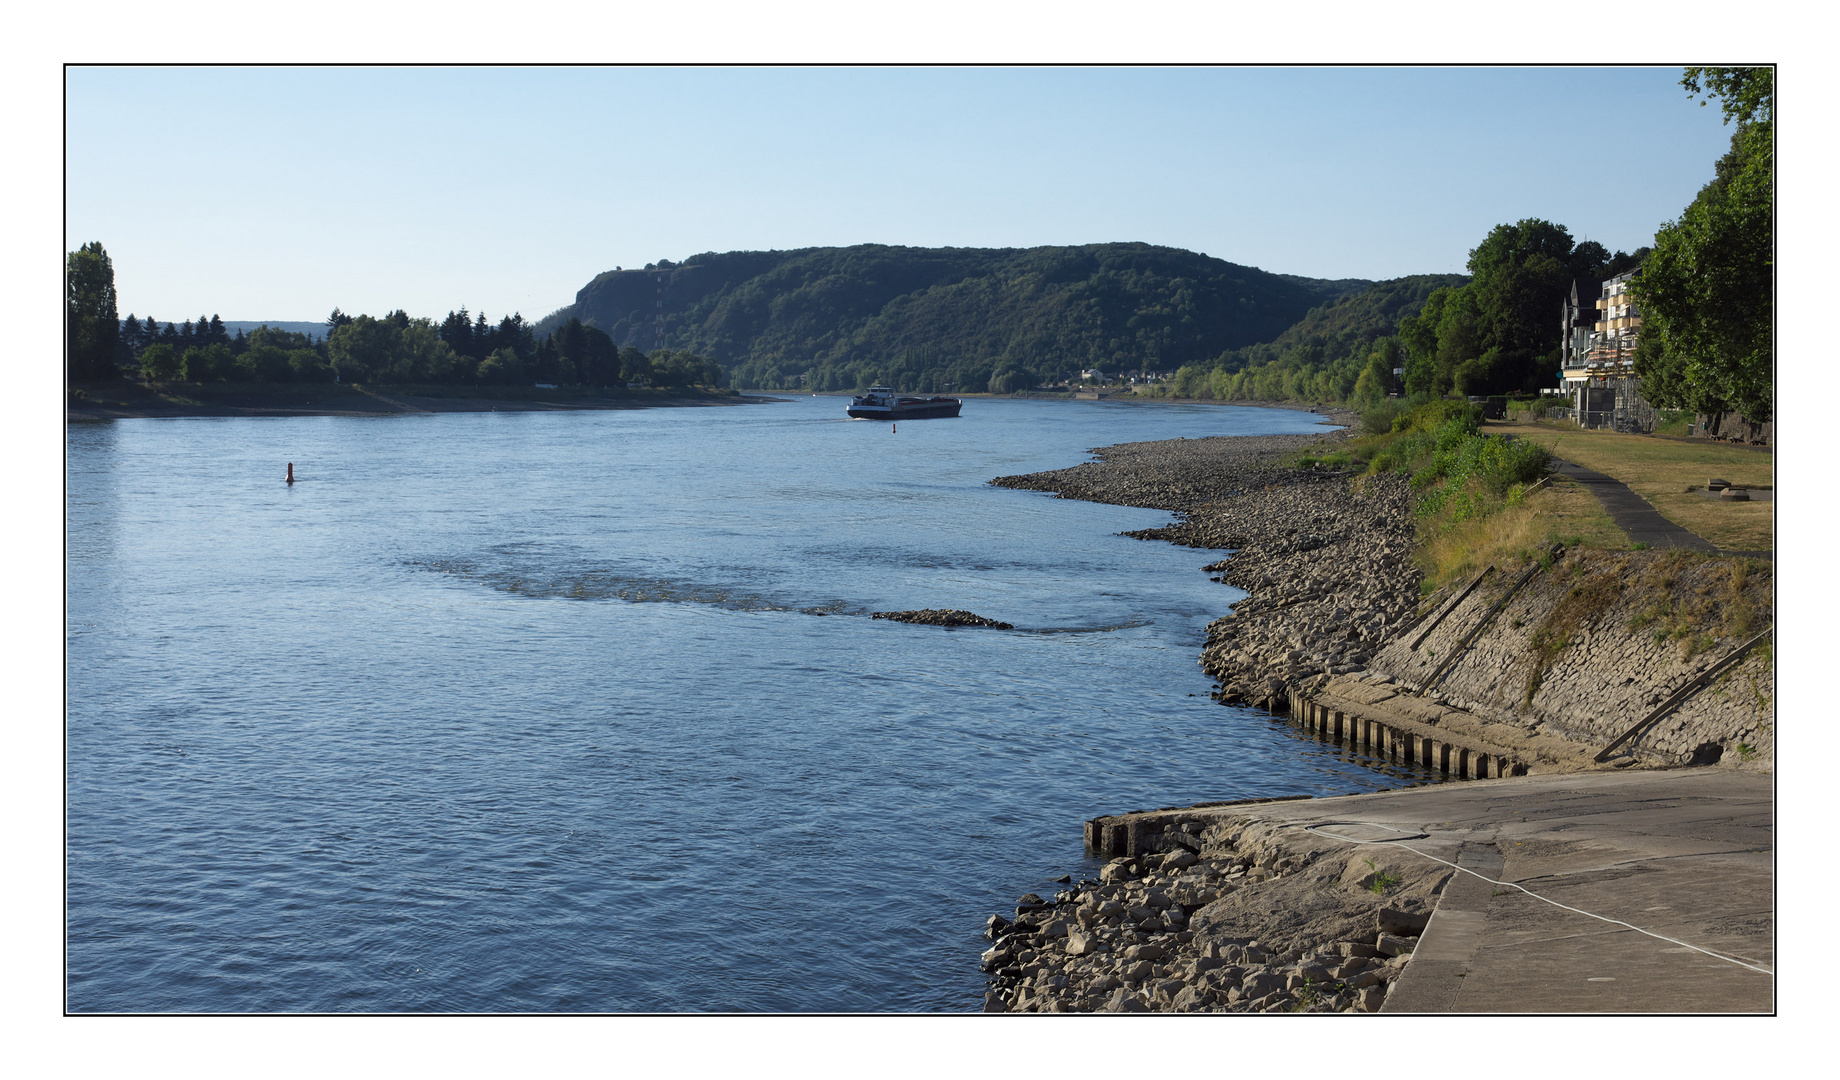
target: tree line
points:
(1705, 295)
(394, 349)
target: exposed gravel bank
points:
(1328, 563)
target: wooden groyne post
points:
(1400, 744)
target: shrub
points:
(159, 363)
(1380, 419)
(266, 363)
(1433, 415)
(211, 362)
(308, 366)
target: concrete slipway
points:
(1683, 854)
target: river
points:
(583, 711)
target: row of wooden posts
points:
(1394, 744)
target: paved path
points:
(1684, 853)
(1631, 512)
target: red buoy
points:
(290, 472)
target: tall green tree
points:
(635, 366)
(599, 363)
(361, 348)
(159, 363)
(1705, 293)
(1419, 334)
(457, 331)
(1522, 273)
(92, 326)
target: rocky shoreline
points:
(1327, 564)
(1230, 915)
(1221, 913)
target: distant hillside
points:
(948, 319)
(315, 329)
(1349, 323)
(1322, 356)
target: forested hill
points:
(948, 319)
(1322, 356)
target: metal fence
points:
(1616, 405)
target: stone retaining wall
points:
(1617, 657)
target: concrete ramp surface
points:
(1682, 854)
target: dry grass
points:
(1661, 471)
(1560, 512)
(1694, 599)
(1578, 518)
(1732, 526)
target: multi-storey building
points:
(1580, 313)
(1613, 337)
(1600, 362)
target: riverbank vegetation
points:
(1479, 497)
(1483, 493)
(391, 350)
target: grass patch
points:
(1662, 471)
(1733, 526)
(1514, 533)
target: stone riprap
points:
(940, 617)
(1589, 647)
(1218, 913)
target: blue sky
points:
(281, 192)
